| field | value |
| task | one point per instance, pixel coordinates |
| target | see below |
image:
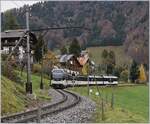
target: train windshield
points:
(57, 71)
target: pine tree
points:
(38, 48)
(134, 71)
(142, 75)
(112, 57)
(104, 54)
(10, 22)
(63, 50)
(111, 61)
(75, 47)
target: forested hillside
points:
(111, 23)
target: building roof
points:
(84, 52)
(92, 63)
(10, 37)
(83, 59)
(13, 33)
(65, 57)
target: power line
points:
(50, 28)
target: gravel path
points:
(81, 113)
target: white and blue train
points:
(62, 79)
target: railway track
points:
(68, 100)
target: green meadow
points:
(131, 104)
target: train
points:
(66, 78)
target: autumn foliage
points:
(142, 74)
(49, 59)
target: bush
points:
(36, 68)
(47, 70)
(117, 71)
(4, 57)
(8, 71)
(124, 75)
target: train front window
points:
(57, 71)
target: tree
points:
(49, 61)
(109, 68)
(38, 48)
(142, 75)
(10, 22)
(86, 69)
(117, 70)
(104, 54)
(112, 57)
(111, 61)
(75, 47)
(124, 75)
(63, 50)
(108, 61)
(134, 71)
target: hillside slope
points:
(121, 57)
(13, 97)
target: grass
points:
(96, 52)
(36, 85)
(13, 96)
(131, 104)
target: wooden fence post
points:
(112, 101)
(106, 98)
(102, 103)
(39, 113)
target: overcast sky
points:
(6, 5)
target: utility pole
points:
(29, 83)
(88, 80)
(41, 84)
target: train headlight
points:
(97, 93)
(91, 90)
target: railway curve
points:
(68, 100)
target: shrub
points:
(4, 57)
(46, 70)
(124, 75)
(8, 71)
(36, 68)
(117, 71)
(134, 71)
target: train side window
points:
(114, 79)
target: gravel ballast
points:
(81, 113)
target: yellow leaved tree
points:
(142, 74)
(49, 61)
(85, 69)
